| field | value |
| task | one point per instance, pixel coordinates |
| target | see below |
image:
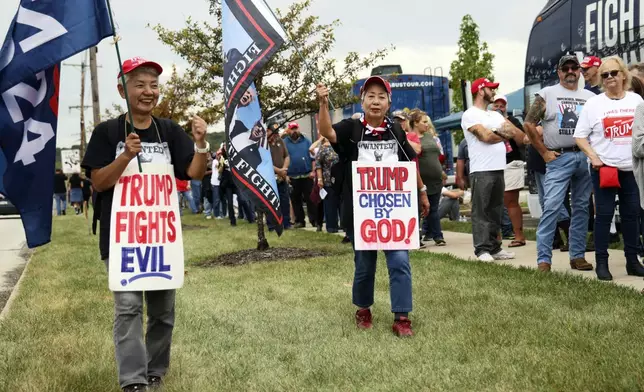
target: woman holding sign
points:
(373, 148)
(140, 228)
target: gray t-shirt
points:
(563, 107)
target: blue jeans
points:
(432, 222)
(568, 168)
(629, 209)
(285, 207)
(331, 205)
(506, 224)
(188, 196)
(207, 207)
(399, 278)
(195, 186)
(61, 203)
(216, 202)
(540, 178)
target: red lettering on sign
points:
(153, 228)
(383, 178)
(149, 190)
(135, 194)
(141, 228)
(125, 181)
(618, 127)
(147, 227)
(384, 231)
(172, 234)
(120, 226)
(130, 227)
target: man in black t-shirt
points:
(60, 192)
(109, 152)
(359, 140)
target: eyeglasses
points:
(567, 68)
(611, 73)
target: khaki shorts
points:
(514, 176)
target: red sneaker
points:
(402, 327)
(363, 319)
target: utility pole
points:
(94, 78)
(82, 106)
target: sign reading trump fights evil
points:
(385, 206)
(146, 243)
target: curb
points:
(14, 292)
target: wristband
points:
(423, 189)
(202, 150)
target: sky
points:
(424, 32)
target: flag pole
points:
(297, 49)
(127, 102)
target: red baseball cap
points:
(293, 125)
(480, 83)
(130, 65)
(378, 80)
(591, 61)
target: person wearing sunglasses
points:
(557, 109)
(590, 69)
(604, 134)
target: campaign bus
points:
(584, 27)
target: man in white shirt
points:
(557, 108)
(487, 133)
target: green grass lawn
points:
(288, 326)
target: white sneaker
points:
(503, 255)
(208, 217)
(485, 257)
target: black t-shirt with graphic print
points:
(175, 146)
(347, 131)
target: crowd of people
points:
(75, 190)
(583, 145)
(308, 178)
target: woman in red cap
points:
(142, 355)
(368, 139)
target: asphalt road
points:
(12, 240)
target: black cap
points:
(568, 58)
(273, 127)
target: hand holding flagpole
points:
(127, 102)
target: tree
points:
(286, 84)
(473, 60)
(177, 100)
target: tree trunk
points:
(262, 242)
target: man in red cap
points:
(141, 362)
(590, 70)
(487, 133)
(373, 138)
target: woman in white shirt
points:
(604, 133)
